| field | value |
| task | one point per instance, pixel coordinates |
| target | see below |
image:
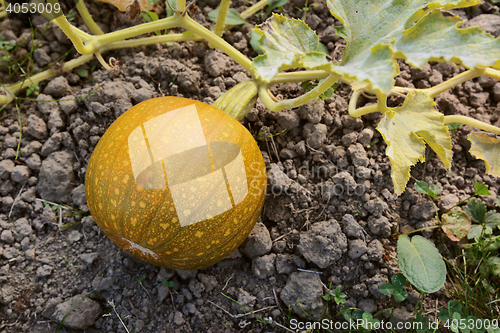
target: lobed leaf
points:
(406, 130)
(437, 38)
(421, 263)
(456, 225)
(476, 209)
(286, 43)
(486, 147)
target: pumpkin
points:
(176, 182)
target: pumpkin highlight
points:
(176, 183)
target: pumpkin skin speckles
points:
(141, 174)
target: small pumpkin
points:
(176, 182)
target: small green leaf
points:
(444, 315)
(454, 306)
(456, 225)
(232, 17)
(421, 187)
(271, 4)
(172, 3)
(421, 263)
(476, 209)
(454, 126)
(434, 190)
(386, 288)
(400, 294)
(481, 189)
(83, 73)
(398, 280)
(476, 231)
(494, 265)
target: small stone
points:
(447, 201)
(376, 207)
(45, 104)
(286, 153)
(196, 287)
(20, 174)
(56, 177)
(305, 289)
(245, 299)
(356, 248)
(216, 63)
(263, 267)
(358, 155)
(68, 105)
(55, 121)
(41, 57)
(496, 92)
(351, 227)
(366, 136)
(258, 243)
(478, 99)
(36, 127)
(488, 22)
(209, 281)
(379, 226)
(6, 167)
(419, 74)
(142, 94)
(57, 87)
(323, 244)
(23, 227)
(163, 292)
(367, 305)
(83, 312)
(375, 250)
(100, 283)
(34, 162)
(422, 211)
(288, 119)
(278, 180)
(315, 134)
(7, 237)
(44, 271)
(312, 111)
(74, 236)
(179, 318)
(349, 139)
(300, 148)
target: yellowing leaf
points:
(122, 5)
(437, 38)
(406, 130)
(487, 148)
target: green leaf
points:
(492, 219)
(172, 3)
(456, 225)
(83, 73)
(421, 187)
(407, 129)
(149, 16)
(254, 42)
(494, 265)
(386, 288)
(454, 126)
(454, 306)
(487, 148)
(400, 294)
(421, 263)
(398, 280)
(370, 29)
(271, 4)
(437, 38)
(232, 17)
(481, 189)
(444, 315)
(476, 209)
(287, 43)
(476, 231)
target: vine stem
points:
(471, 122)
(453, 82)
(189, 24)
(12, 90)
(295, 102)
(87, 18)
(221, 18)
(253, 9)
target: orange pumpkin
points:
(176, 182)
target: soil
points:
(329, 213)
